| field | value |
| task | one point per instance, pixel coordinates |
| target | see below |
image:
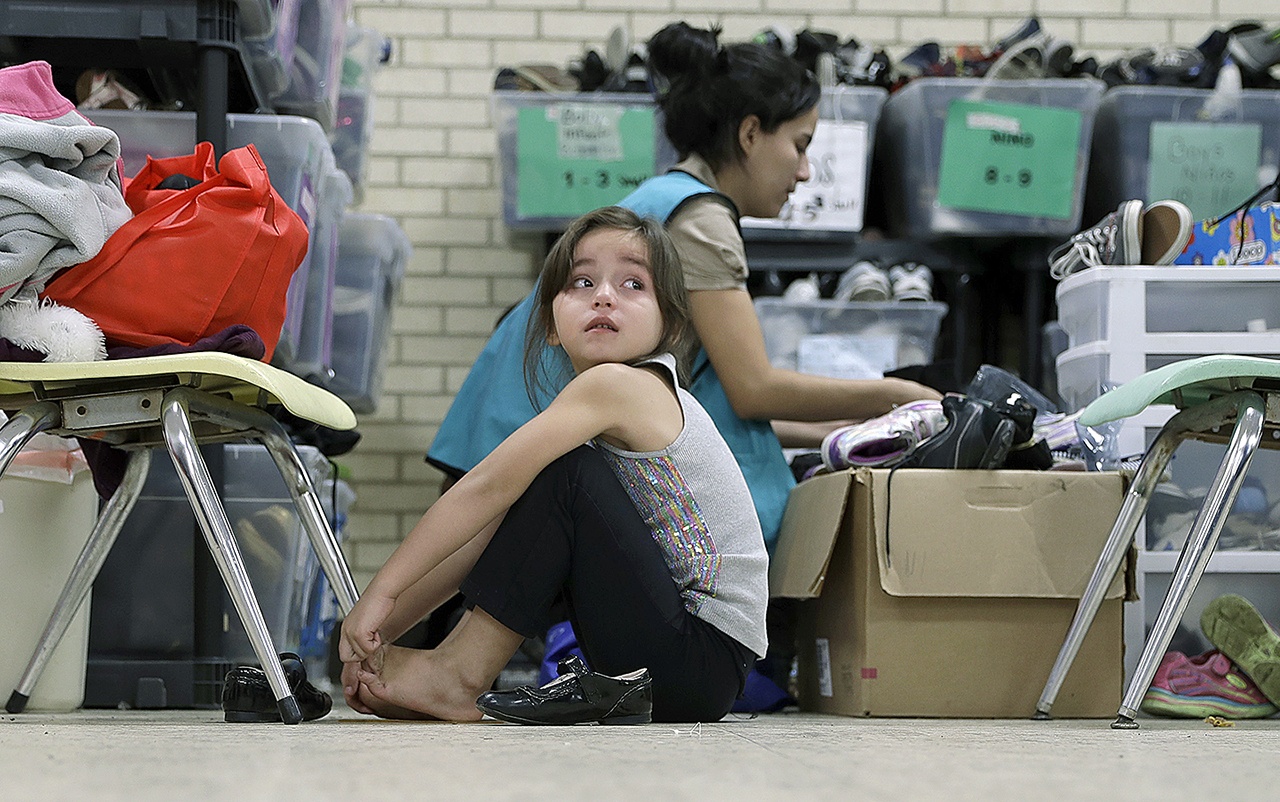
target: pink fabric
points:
(27, 90)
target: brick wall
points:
(433, 168)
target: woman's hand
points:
(903, 391)
(360, 636)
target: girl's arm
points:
(624, 403)
(726, 323)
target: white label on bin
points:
(848, 356)
(823, 647)
(587, 130)
(833, 197)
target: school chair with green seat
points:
(177, 402)
(1221, 398)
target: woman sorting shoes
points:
(741, 117)
(619, 497)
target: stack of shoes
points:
(1030, 52)
(577, 696)
(1205, 685)
(1234, 625)
(247, 696)
(1131, 235)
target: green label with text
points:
(1010, 158)
(575, 157)
(1210, 167)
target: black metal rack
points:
(187, 50)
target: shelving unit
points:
(1123, 321)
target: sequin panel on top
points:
(662, 497)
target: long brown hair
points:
(545, 373)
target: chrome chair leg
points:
(212, 517)
(1199, 548)
(85, 570)
(323, 539)
(23, 426)
(1117, 545)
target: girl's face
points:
(775, 162)
(608, 311)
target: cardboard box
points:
(948, 593)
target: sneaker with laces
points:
(1236, 627)
(1255, 51)
(1205, 685)
(911, 282)
(1115, 240)
(865, 281)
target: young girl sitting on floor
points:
(620, 498)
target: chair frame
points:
(142, 412)
(1239, 419)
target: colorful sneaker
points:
(1236, 627)
(1115, 240)
(1166, 230)
(1207, 685)
(883, 441)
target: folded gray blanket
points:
(60, 198)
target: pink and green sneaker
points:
(1206, 685)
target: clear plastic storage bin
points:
(366, 49)
(1014, 178)
(372, 253)
(562, 155)
(315, 71)
(1210, 163)
(314, 350)
(848, 340)
(834, 197)
(294, 149)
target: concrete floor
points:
(192, 754)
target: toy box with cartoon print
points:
(948, 593)
(1250, 237)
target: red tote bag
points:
(192, 261)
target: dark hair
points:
(541, 373)
(706, 89)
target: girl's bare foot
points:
(414, 683)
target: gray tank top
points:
(699, 509)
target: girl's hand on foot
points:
(351, 689)
(360, 637)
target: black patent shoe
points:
(977, 435)
(577, 696)
(247, 696)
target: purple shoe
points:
(884, 441)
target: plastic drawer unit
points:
(562, 155)
(372, 253)
(1158, 142)
(313, 354)
(294, 149)
(833, 200)
(972, 157)
(853, 340)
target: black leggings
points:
(576, 535)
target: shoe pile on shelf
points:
(1026, 52)
(1253, 49)
(868, 281)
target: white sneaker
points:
(911, 282)
(865, 281)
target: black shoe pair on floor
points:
(577, 696)
(983, 434)
(247, 696)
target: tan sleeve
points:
(710, 246)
